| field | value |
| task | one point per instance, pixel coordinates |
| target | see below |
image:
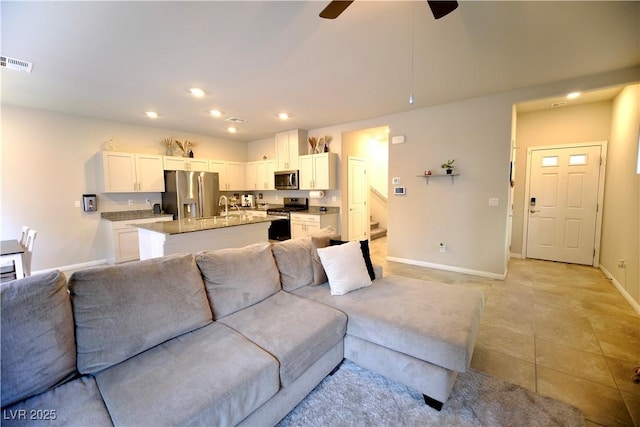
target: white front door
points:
(358, 225)
(562, 203)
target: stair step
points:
(373, 224)
(376, 233)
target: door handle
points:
(534, 211)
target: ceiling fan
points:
(439, 8)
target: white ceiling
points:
(116, 60)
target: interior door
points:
(563, 204)
(358, 225)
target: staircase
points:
(375, 231)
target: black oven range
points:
(281, 227)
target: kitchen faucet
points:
(226, 204)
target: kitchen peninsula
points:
(199, 234)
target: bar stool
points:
(26, 258)
(23, 235)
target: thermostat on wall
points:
(399, 190)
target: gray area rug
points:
(354, 396)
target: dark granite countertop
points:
(315, 210)
(201, 224)
(129, 215)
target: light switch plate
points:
(494, 201)
(395, 180)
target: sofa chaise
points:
(229, 337)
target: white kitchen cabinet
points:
(235, 176)
(319, 171)
(290, 145)
(231, 175)
(259, 175)
(251, 175)
(303, 224)
(124, 239)
(174, 163)
(130, 173)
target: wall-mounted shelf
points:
(439, 176)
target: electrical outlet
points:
(147, 202)
(622, 263)
(443, 247)
(76, 203)
(130, 201)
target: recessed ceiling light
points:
(152, 114)
(573, 95)
(283, 116)
(231, 129)
(197, 92)
(215, 113)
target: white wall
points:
(48, 162)
(476, 133)
(621, 215)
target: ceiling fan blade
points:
(442, 8)
(334, 9)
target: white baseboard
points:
(73, 267)
(634, 304)
(449, 268)
(515, 256)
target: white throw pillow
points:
(345, 267)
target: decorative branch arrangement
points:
(313, 143)
(184, 146)
(319, 145)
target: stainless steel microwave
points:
(286, 180)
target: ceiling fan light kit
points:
(438, 8)
(334, 9)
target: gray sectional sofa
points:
(228, 337)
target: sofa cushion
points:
(75, 403)
(319, 275)
(366, 254)
(213, 376)
(345, 267)
(38, 346)
(295, 330)
(238, 277)
(123, 310)
(293, 258)
(431, 321)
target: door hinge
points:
(597, 207)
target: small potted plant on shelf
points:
(448, 166)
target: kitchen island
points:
(200, 234)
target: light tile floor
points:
(561, 330)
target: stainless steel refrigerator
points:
(190, 194)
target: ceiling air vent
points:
(558, 104)
(15, 64)
(235, 120)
